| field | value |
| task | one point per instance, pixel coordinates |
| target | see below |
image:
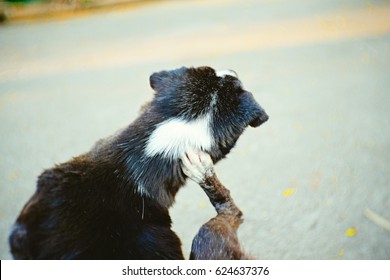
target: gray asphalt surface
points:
(313, 182)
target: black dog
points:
(112, 202)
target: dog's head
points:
(200, 109)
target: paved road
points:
(314, 182)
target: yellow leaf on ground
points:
(298, 126)
(202, 204)
(350, 232)
(341, 253)
(289, 191)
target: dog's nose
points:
(264, 117)
(259, 119)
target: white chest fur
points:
(173, 137)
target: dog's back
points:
(77, 212)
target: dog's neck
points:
(173, 137)
(151, 154)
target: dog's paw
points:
(197, 165)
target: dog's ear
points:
(158, 80)
(166, 79)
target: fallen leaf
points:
(350, 232)
(298, 126)
(202, 204)
(12, 176)
(341, 253)
(289, 191)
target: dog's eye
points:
(231, 85)
(237, 85)
(239, 91)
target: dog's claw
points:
(197, 166)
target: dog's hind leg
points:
(217, 239)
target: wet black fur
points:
(91, 208)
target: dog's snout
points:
(264, 117)
(259, 119)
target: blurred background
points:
(313, 182)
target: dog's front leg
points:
(217, 239)
(198, 166)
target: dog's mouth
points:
(259, 120)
